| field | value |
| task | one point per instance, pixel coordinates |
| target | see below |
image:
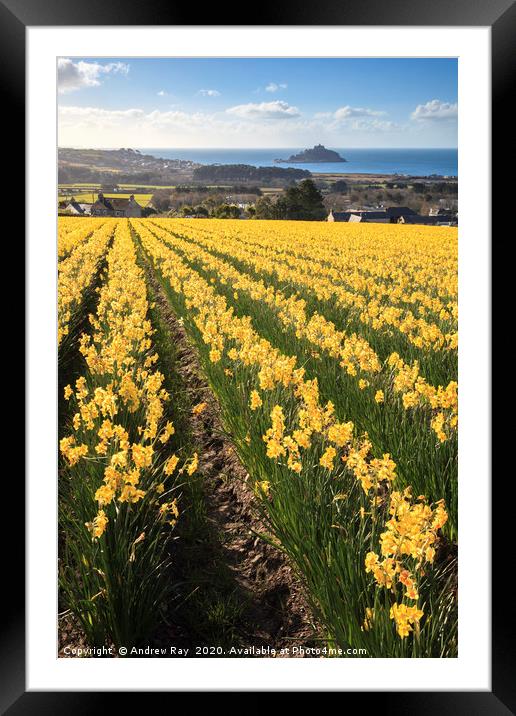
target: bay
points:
(413, 162)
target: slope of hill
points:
(120, 165)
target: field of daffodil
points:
(331, 350)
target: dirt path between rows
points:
(267, 597)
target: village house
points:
(393, 215)
(116, 206)
(78, 208)
(378, 217)
(440, 220)
(395, 212)
(338, 215)
(384, 216)
(440, 212)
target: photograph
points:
(257, 387)
(259, 280)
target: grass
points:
(90, 197)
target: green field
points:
(90, 197)
(78, 185)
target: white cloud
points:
(355, 119)
(134, 122)
(209, 92)
(241, 126)
(435, 110)
(273, 87)
(374, 125)
(265, 110)
(78, 119)
(75, 75)
(347, 112)
(162, 93)
(175, 118)
(98, 127)
(97, 113)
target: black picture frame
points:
(500, 16)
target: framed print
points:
(259, 444)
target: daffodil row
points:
(225, 333)
(417, 393)
(311, 430)
(76, 273)
(408, 543)
(394, 278)
(353, 283)
(72, 231)
(353, 352)
(121, 465)
(408, 547)
(118, 423)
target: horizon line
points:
(236, 148)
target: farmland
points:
(292, 382)
(90, 197)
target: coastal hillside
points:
(130, 166)
(120, 165)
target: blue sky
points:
(281, 102)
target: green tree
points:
(301, 201)
(264, 208)
(339, 187)
(226, 211)
(311, 201)
(161, 200)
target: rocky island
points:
(318, 154)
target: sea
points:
(413, 162)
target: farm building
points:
(79, 208)
(367, 216)
(440, 220)
(338, 216)
(395, 212)
(440, 212)
(105, 206)
(390, 215)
